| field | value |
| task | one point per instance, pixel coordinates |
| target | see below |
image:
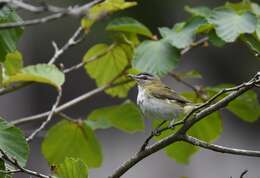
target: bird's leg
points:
(172, 124)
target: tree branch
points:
(178, 136)
(74, 40)
(69, 104)
(218, 148)
(72, 11)
(50, 114)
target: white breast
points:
(155, 108)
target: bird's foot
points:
(172, 125)
(156, 132)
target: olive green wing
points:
(164, 92)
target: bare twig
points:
(157, 131)
(74, 40)
(50, 114)
(243, 174)
(32, 8)
(196, 90)
(72, 11)
(15, 163)
(201, 41)
(180, 134)
(218, 148)
(69, 104)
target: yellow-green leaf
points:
(42, 73)
(130, 25)
(13, 63)
(72, 168)
(9, 37)
(108, 66)
(101, 9)
(70, 139)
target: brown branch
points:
(196, 90)
(178, 136)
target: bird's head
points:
(145, 79)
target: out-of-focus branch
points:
(50, 115)
(69, 104)
(180, 135)
(198, 92)
(70, 11)
(19, 168)
(73, 40)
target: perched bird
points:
(156, 100)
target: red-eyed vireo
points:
(157, 100)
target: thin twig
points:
(74, 40)
(69, 104)
(243, 174)
(15, 163)
(196, 90)
(157, 131)
(218, 148)
(201, 41)
(72, 11)
(92, 59)
(50, 114)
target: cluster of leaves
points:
(107, 63)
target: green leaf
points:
(42, 73)
(72, 168)
(182, 38)
(201, 11)
(239, 7)
(252, 42)
(208, 129)
(71, 139)
(246, 107)
(229, 24)
(125, 117)
(215, 40)
(9, 37)
(128, 24)
(3, 168)
(258, 29)
(106, 7)
(156, 57)
(108, 66)
(255, 9)
(13, 63)
(13, 143)
(190, 74)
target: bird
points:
(158, 101)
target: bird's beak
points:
(131, 76)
